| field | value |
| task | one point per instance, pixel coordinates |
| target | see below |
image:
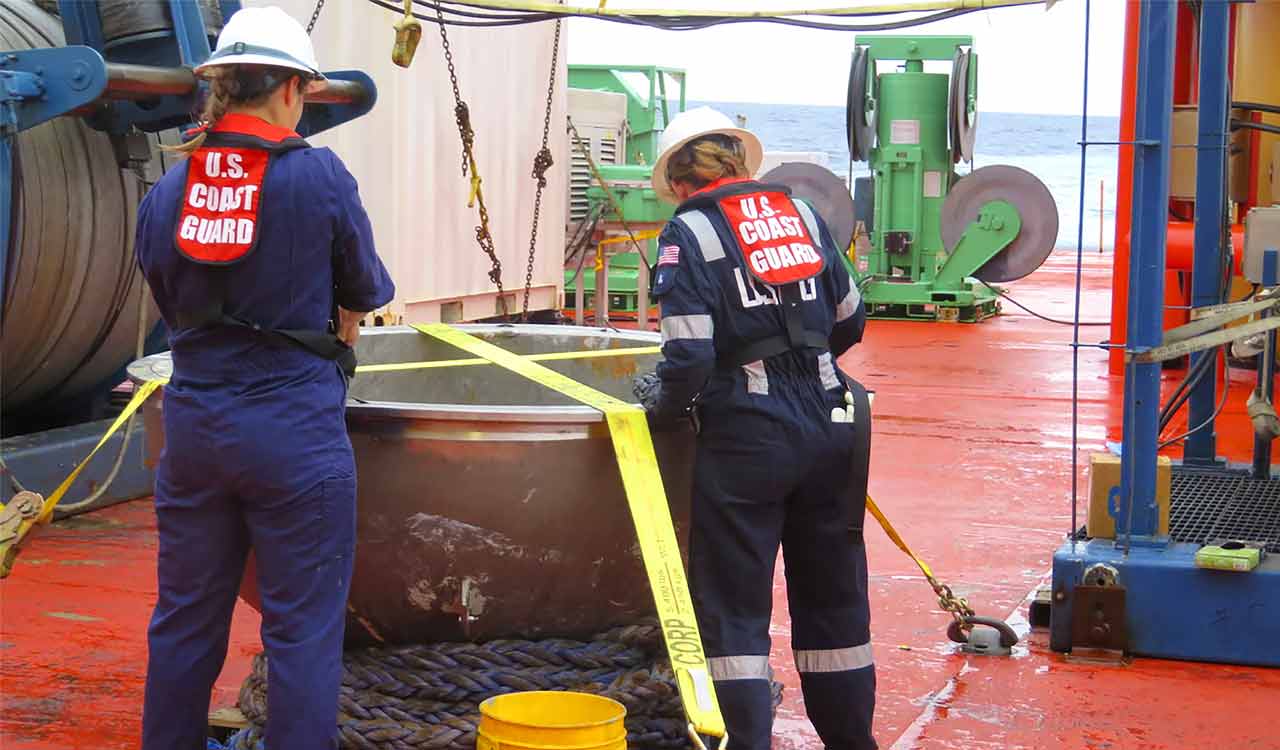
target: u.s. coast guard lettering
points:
(219, 220)
(774, 242)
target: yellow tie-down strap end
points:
(13, 542)
(633, 446)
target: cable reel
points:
(860, 107)
(962, 105)
(1035, 206)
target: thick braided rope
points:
(426, 697)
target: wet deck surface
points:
(971, 461)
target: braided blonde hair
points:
(702, 161)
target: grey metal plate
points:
(824, 190)
(1035, 205)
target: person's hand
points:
(349, 326)
(647, 389)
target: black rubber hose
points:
(1257, 107)
(1183, 391)
(1245, 125)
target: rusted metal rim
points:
(160, 366)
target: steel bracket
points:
(996, 227)
(41, 84)
(1097, 618)
(321, 115)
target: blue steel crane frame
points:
(1171, 607)
(38, 85)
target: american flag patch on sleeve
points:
(669, 255)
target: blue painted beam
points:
(81, 23)
(1210, 213)
(190, 32)
(229, 7)
(1139, 515)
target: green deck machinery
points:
(650, 106)
(936, 236)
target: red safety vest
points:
(775, 243)
(218, 223)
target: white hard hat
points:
(264, 36)
(692, 124)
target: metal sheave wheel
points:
(821, 187)
(1036, 208)
(860, 107)
(962, 114)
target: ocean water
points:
(1045, 145)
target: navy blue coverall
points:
(773, 467)
(256, 453)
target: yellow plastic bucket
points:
(551, 720)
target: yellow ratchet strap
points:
(638, 465)
(9, 550)
(554, 356)
(897, 539)
(639, 237)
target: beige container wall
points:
(1256, 63)
(406, 155)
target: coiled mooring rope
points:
(427, 697)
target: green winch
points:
(938, 239)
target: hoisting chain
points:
(957, 606)
(541, 163)
(315, 16)
(462, 115)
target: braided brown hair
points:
(235, 86)
(702, 161)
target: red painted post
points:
(1124, 186)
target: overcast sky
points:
(1030, 59)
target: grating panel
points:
(1216, 505)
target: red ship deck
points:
(971, 460)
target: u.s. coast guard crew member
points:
(252, 247)
(756, 305)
